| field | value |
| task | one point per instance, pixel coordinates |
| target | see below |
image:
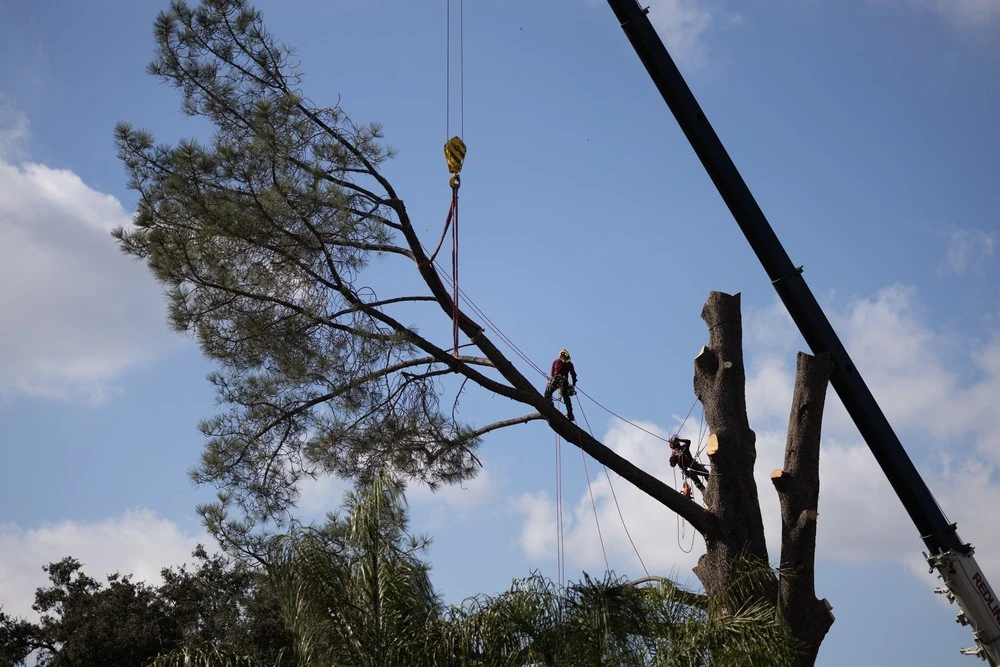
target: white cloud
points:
(468, 501)
(930, 382)
(939, 393)
(653, 529)
(937, 389)
(964, 13)
(321, 495)
(465, 497)
(968, 251)
(770, 330)
(681, 24)
(138, 542)
(538, 533)
(76, 312)
(434, 509)
(13, 129)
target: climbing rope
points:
(702, 432)
(627, 421)
(593, 503)
(489, 323)
(613, 495)
(678, 432)
(560, 539)
(560, 546)
(681, 525)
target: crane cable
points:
(461, 68)
(454, 154)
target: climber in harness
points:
(680, 454)
(562, 369)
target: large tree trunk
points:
(797, 484)
(735, 563)
(738, 547)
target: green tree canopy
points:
(269, 237)
(84, 622)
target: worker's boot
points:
(569, 415)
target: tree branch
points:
(468, 326)
(281, 85)
(381, 219)
(340, 182)
(504, 423)
(357, 382)
(384, 302)
(449, 360)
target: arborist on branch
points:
(680, 454)
(562, 369)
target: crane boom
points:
(964, 581)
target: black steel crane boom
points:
(954, 560)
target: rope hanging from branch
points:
(560, 547)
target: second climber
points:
(562, 370)
(680, 454)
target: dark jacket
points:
(680, 454)
(560, 367)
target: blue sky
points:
(865, 128)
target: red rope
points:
(452, 212)
(454, 262)
(450, 222)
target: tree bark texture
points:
(738, 545)
(797, 484)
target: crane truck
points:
(964, 581)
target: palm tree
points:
(356, 593)
(616, 622)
